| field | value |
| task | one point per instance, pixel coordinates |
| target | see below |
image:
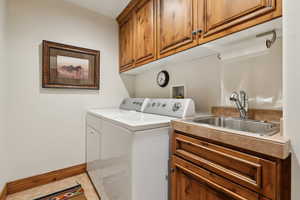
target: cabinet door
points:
(189, 188)
(222, 14)
(201, 19)
(92, 148)
(177, 20)
(190, 182)
(145, 32)
(126, 44)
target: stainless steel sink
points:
(245, 125)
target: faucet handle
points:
(234, 96)
(244, 100)
(243, 93)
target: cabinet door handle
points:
(194, 33)
(188, 187)
(199, 31)
(91, 131)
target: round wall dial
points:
(163, 78)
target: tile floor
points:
(57, 186)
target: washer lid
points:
(132, 120)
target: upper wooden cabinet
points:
(159, 28)
(177, 21)
(126, 44)
(145, 32)
(223, 14)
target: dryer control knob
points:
(176, 106)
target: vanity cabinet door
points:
(188, 188)
(176, 25)
(126, 39)
(145, 32)
(222, 14)
(190, 182)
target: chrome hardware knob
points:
(176, 106)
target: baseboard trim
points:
(3, 193)
(34, 181)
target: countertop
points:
(276, 146)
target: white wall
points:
(210, 82)
(260, 77)
(46, 129)
(129, 81)
(291, 86)
(200, 77)
(3, 95)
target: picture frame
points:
(66, 66)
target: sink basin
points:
(250, 126)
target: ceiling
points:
(110, 8)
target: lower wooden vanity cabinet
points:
(203, 170)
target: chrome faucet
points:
(241, 102)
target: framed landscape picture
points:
(66, 66)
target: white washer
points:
(128, 150)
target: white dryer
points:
(128, 148)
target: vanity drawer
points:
(249, 171)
